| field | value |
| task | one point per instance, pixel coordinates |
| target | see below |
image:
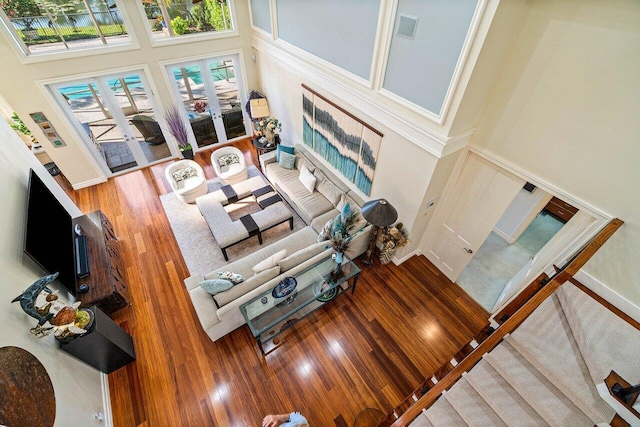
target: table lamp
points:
(259, 108)
(379, 213)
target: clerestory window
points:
(170, 19)
(53, 26)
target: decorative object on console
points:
(269, 126)
(28, 301)
(341, 227)
(349, 144)
(379, 213)
(392, 238)
(285, 287)
(178, 130)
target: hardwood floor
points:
(369, 349)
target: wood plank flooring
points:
(370, 349)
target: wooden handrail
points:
(510, 325)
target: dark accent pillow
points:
(283, 149)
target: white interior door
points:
(481, 195)
(572, 234)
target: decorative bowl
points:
(284, 288)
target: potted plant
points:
(178, 130)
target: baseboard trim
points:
(106, 400)
(89, 183)
(398, 261)
(609, 294)
(503, 235)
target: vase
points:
(187, 154)
(339, 257)
(270, 135)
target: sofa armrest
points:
(267, 158)
(193, 281)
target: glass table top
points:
(319, 282)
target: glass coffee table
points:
(274, 311)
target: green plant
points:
(19, 125)
(26, 9)
(220, 18)
(179, 25)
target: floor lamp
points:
(379, 213)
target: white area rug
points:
(199, 249)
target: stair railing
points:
(510, 324)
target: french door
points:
(116, 119)
(210, 92)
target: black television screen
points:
(49, 234)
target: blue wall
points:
(420, 70)
(339, 31)
(261, 14)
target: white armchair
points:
(187, 184)
(229, 171)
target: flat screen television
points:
(49, 239)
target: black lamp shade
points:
(379, 212)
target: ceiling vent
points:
(407, 26)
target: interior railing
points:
(511, 316)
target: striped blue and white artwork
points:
(346, 143)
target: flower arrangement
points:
(270, 124)
(200, 106)
(177, 127)
(341, 227)
(392, 238)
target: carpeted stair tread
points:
(421, 421)
(442, 414)
(549, 402)
(546, 341)
(605, 340)
(471, 406)
(501, 397)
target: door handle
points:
(469, 251)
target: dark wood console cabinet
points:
(107, 287)
(106, 346)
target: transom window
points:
(45, 26)
(175, 18)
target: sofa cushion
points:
(270, 262)
(330, 191)
(319, 222)
(216, 286)
(184, 173)
(307, 179)
(287, 160)
(283, 149)
(293, 242)
(234, 278)
(224, 298)
(301, 256)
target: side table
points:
(263, 148)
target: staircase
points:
(546, 371)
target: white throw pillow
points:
(270, 262)
(307, 179)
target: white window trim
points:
(190, 38)
(258, 29)
(73, 128)
(244, 82)
(16, 43)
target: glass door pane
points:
(196, 102)
(88, 106)
(132, 99)
(226, 86)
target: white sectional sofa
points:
(220, 314)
